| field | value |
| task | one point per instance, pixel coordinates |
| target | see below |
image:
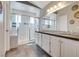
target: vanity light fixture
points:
(55, 6)
(48, 10)
(59, 4)
(51, 8)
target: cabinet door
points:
(45, 42)
(68, 48)
(77, 49)
(36, 38)
(55, 46)
(39, 39)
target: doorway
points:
(24, 28)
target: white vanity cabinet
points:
(64, 47)
(55, 46)
(68, 47)
(58, 46)
(46, 43)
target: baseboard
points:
(22, 42)
(43, 50)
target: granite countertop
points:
(73, 36)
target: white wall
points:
(24, 7)
(62, 23)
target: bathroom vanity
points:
(58, 44)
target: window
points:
(46, 22)
(32, 20)
(16, 20)
(1, 17)
(36, 23)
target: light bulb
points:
(51, 8)
(48, 10)
(55, 6)
(59, 4)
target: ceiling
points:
(40, 4)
